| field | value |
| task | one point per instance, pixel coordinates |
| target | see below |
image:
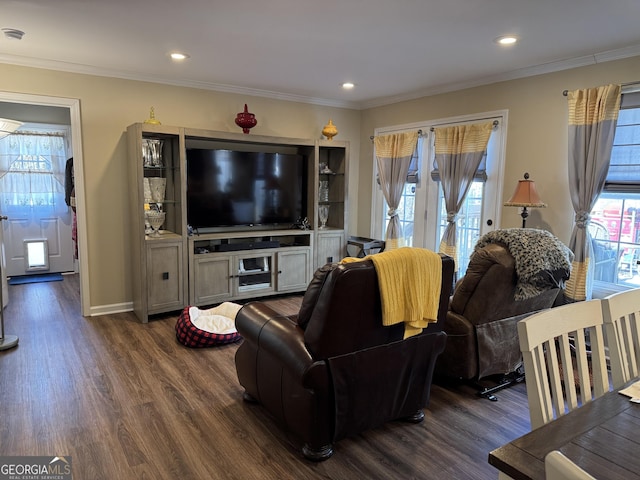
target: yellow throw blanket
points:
(410, 280)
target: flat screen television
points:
(227, 188)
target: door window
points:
(421, 210)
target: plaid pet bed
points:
(191, 336)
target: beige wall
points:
(109, 105)
(536, 135)
(536, 142)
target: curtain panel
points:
(32, 172)
(459, 151)
(593, 113)
(393, 157)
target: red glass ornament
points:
(246, 120)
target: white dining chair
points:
(559, 467)
(554, 342)
(621, 313)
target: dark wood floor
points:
(126, 401)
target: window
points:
(32, 162)
(615, 218)
(421, 210)
(406, 213)
(469, 223)
(407, 206)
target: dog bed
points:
(197, 328)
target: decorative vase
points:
(155, 219)
(157, 188)
(323, 191)
(147, 190)
(152, 118)
(246, 120)
(152, 152)
(323, 216)
(330, 130)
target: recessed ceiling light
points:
(348, 85)
(179, 56)
(506, 40)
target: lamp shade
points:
(525, 195)
(7, 126)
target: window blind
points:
(624, 169)
(480, 176)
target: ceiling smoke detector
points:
(13, 33)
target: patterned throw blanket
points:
(538, 255)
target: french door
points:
(422, 212)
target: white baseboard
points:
(111, 309)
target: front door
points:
(38, 232)
(26, 232)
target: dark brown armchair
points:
(334, 370)
(482, 338)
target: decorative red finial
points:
(246, 120)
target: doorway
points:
(40, 109)
(34, 161)
(421, 210)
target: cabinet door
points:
(330, 247)
(213, 281)
(164, 276)
(294, 269)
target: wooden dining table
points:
(602, 437)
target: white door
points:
(32, 190)
(421, 209)
(33, 227)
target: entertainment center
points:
(232, 208)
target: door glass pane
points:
(406, 212)
(468, 224)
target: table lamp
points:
(525, 196)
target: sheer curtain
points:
(393, 156)
(593, 113)
(32, 172)
(458, 153)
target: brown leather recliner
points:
(334, 370)
(482, 337)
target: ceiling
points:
(303, 50)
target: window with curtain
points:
(32, 169)
(407, 205)
(615, 219)
(421, 211)
(469, 217)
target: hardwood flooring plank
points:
(128, 402)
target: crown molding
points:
(550, 67)
(607, 56)
(124, 75)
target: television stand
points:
(232, 266)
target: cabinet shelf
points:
(169, 202)
(164, 235)
(252, 273)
